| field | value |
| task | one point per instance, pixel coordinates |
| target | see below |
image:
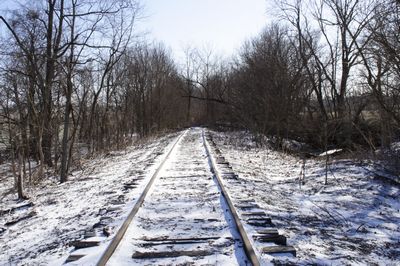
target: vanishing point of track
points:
(185, 215)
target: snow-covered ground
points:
(65, 212)
(354, 220)
(183, 203)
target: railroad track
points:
(186, 215)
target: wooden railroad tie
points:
(245, 200)
(183, 176)
(117, 202)
(171, 254)
(264, 222)
(130, 185)
(259, 219)
(248, 206)
(230, 176)
(85, 244)
(279, 249)
(174, 242)
(139, 178)
(74, 257)
(277, 239)
(269, 231)
(197, 220)
(260, 214)
(113, 209)
(165, 238)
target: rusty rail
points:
(248, 247)
(122, 230)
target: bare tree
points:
(270, 84)
(188, 71)
(329, 52)
(381, 62)
(88, 17)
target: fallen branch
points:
(19, 219)
(16, 208)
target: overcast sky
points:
(222, 24)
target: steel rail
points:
(106, 255)
(248, 248)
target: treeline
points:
(77, 79)
(327, 73)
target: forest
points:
(77, 79)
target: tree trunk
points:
(20, 176)
(65, 153)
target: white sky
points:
(222, 25)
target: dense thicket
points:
(269, 87)
(76, 80)
(326, 74)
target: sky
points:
(222, 25)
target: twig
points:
(359, 227)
